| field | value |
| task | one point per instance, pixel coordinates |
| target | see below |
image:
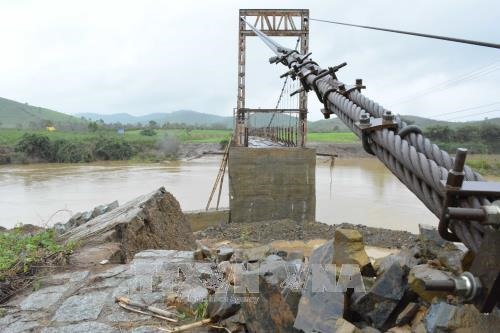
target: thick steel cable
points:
(418, 163)
(418, 34)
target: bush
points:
(71, 152)
(223, 143)
(35, 146)
(112, 149)
(148, 132)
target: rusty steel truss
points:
(273, 22)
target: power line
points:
(467, 109)
(450, 39)
(473, 114)
(481, 71)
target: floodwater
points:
(359, 191)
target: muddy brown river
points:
(359, 191)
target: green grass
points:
(485, 164)
(18, 250)
(24, 253)
(9, 137)
(334, 137)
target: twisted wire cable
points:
(412, 158)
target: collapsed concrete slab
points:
(151, 221)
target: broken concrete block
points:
(350, 249)
(378, 303)
(421, 273)
(272, 306)
(321, 304)
(151, 221)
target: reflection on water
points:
(363, 191)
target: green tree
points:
(439, 132)
(93, 126)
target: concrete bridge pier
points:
(271, 184)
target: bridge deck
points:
(258, 142)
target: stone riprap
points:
(84, 301)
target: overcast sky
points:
(142, 56)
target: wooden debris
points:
(186, 327)
(143, 309)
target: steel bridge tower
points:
(272, 22)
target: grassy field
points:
(9, 137)
(485, 164)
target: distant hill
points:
(22, 115)
(187, 117)
(14, 114)
(425, 122)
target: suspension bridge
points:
(279, 182)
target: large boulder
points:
(319, 309)
(274, 307)
(350, 249)
(151, 221)
(421, 273)
(377, 305)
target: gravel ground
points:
(265, 232)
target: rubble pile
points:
(225, 288)
(385, 295)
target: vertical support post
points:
(240, 125)
(304, 48)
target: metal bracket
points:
(456, 188)
(298, 67)
(330, 71)
(278, 59)
(367, 125)
(326, 112)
